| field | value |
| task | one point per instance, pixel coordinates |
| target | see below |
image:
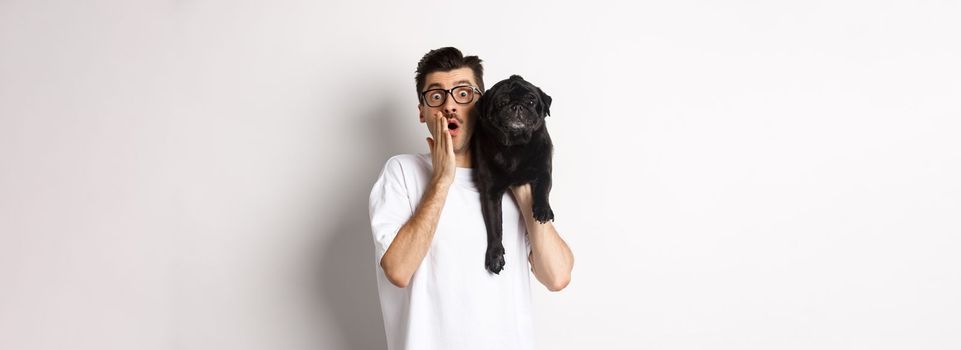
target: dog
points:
(511, 147)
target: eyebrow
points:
(457, 83)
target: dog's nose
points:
(516, 107)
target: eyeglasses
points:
(437, 97)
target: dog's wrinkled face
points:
(513, 109)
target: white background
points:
(747, 175)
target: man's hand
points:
(441, 150)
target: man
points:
(430, 238)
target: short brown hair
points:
(446, 59)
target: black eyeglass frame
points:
(477, 92)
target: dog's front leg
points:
(493, 219)
(540, 191)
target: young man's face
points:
(454, 112)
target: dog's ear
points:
(545, 102)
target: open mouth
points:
(453, 128)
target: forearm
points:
(412, 241)
(551, 259)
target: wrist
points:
(441, 183)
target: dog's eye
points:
(531, 102)
(502, 101)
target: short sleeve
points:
(389, 207)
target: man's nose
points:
(449, 105)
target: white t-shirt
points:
(452, 302)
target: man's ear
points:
(420, 112)
(545, 102)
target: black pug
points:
(510, 146)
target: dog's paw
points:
(543, 214)
(495, 259)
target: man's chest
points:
(461, 235)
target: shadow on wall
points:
(346, 281)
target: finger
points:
(432, 123)
(449, 140)
(442, 130)
(442, 121)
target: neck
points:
(463, 159)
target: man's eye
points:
(463, 94)
(435, 96)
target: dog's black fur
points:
(510, 146)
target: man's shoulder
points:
(407, 158)
(406, 164)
